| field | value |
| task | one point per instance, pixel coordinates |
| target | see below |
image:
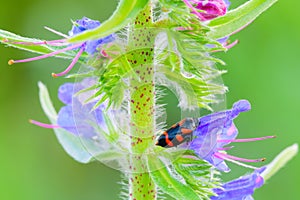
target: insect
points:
(178, 133)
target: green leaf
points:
(126, 11)
(168, 183)
(238, 18)
(71, 143)
(8, 38)
(280, 161)
(197, 174)
(195, 89)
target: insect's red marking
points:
(179, 138)
(186, 131)
(168, 141)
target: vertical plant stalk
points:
(142, 103)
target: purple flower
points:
(217, 130)
(77, 116)
(241, 188)
(210, 8)
(90, 46)
(84, 24)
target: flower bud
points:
(211, 8)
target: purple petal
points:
(229, 133)
(66, 120)
(219, 164)
(65, 93)
(67, 90)
(228, 3)
(77, 117)
(93, 45)
(84, 24)
(241, 106)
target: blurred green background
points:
(264, 68)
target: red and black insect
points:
(178, 133)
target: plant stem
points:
(142, 101)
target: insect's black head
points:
(161, 141)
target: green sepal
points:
(126, 11)
(238, 18)
(8, 38)
(167, 182)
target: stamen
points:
(225, 148)
(10, 62)
(71, 65)
(194, 10)
(224, 156)
(238, 30)
(247, 139)
(229, 46)
(103, 53)
(238, 163)
(43, 125)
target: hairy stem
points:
(142, 101)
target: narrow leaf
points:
(126, 11)
(238, 18)
(169, 184)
